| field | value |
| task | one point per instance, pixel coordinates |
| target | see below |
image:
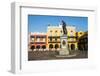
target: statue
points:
(64, 27)
(64, 43)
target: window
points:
(41, 39)
(61, 32)
(55, 39)
(32, 39)
(37, 39)
(56, 32)
(71, 31)
(71, 39)
(51, 32)
(80, 32)
(50, 39)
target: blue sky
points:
(39, 23)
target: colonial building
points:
(38, 41)
(83, 42)
(54, 34)
(80, 33)
(51, 40)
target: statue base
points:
(64, 47)
(64, 51)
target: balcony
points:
(54, 41)
(54, 37)
(37, 42)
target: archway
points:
(43, 47)
(32, 47)
(72, 47)
(38, 47)
(51, 46)
(56, 46)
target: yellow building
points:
(80, 33)
(54, 34)
(83, 42)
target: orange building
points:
(38, 41)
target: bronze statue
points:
(64, 28)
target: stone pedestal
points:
(64, 46)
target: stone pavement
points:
(52, 55)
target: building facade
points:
(51, 40)
(83, 42)
(54, 34)
(38, 41)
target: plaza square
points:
(48, 45)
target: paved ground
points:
(51, 55)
